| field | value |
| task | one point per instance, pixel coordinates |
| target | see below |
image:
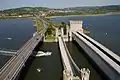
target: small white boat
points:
(41, 53)
(38, 70)
(9, 38)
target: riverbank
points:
(50, 38)
(75, 15)
(111, 13)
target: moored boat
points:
(41, 53)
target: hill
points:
(24, 10)
(75, 10)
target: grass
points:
(86, 31)
(50, 38)
(39, 25)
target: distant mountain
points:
(25, 10)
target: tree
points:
(63, 25)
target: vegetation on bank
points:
(86, 31)
(24, 10)
(72, 13)
(50, 33)
(64, 25)
(39, 25)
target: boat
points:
(41, 53)
(38, 70)
(9, 38)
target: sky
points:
(7, 4)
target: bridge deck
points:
(107, 65)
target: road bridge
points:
(107, 61)
(11, 69)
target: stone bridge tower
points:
(75, 25)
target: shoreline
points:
(85, 15)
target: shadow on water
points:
(84, 61)
(50, 66)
